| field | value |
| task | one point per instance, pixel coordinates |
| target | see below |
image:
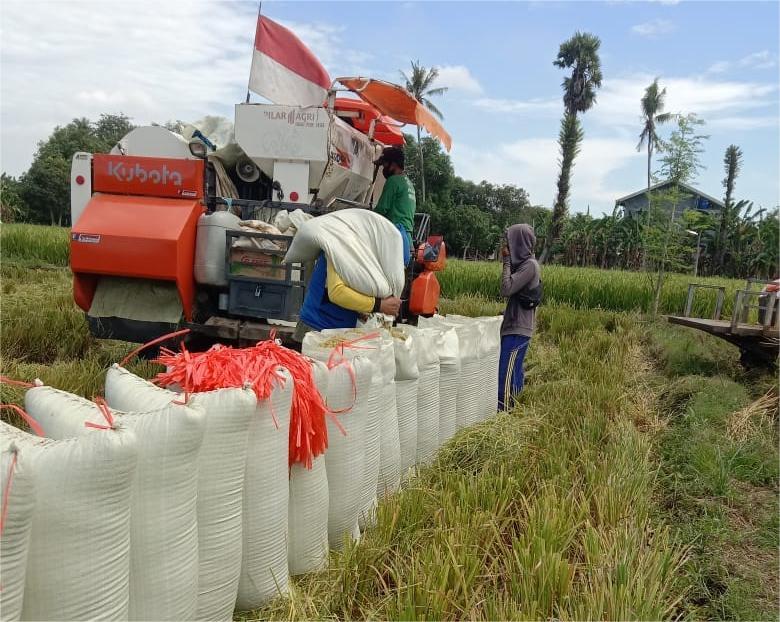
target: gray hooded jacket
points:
(521, 271)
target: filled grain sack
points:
(308, 513)
(264, 572)
(406, 381)
(221, 471)
(389, 444)
(163, 520)
(350, 377)
(17, 491)
(449, 374)
(471, 390)
(364, 248)
(368, 342)
(427, 392)
(78, 562)
(491, 356)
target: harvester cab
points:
(171, 230)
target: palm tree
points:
(732, 163)
(420, 84)
(581, 54)
(652, 114)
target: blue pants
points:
(407, 240)
(510, 369)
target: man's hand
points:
(504, 250)
(390, 306)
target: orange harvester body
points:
(144, 229)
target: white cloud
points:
(618, 100)
(520, 106)
(533, 164)
(653, 28)
(745, 123)
(757, 60)
(183, 60)
(458, 77)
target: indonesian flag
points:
(284, 70)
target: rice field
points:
(590, 288)
(637, 479)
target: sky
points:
(164, 60)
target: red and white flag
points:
(284, 70)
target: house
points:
(691, 199)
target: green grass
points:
(543, 513)
(589, 288)
(719, 478)
(35, 244)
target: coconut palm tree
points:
(420, 84)
(581, 54)
(653, 115)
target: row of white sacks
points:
(174, 511)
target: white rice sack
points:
(163, 520)
(389, 444)
(427, 392)
(78, 562)
(364, 248)
(264, 572)
(471, 389)
(449, 380)
(491, 356)
(17, 490)
(406, 380)
(221, 469)
(308, 514)
(349, 384)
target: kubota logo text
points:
(158, 175)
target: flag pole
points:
(259, 7)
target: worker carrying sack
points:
(364, 248)
(221, 470)
(17, 491)
(78, 562)
(163, 519)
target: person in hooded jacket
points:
(521, 275)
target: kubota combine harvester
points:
(155, 244)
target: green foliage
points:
(34, 245)
(587, 288)
(45, 187)
(580, 53)
(682, 152)
(12, 207)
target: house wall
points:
(638, 204)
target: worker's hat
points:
(391, 155)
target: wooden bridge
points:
(757, 335)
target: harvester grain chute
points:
(156, 244)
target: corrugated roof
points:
(662, 184)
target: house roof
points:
(663, 184)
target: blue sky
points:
(159, 61)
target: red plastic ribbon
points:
(153, 342)
(34, 425)
(15, 383)
(104, 410)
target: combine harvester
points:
(155, 240)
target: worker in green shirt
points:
(398, 201)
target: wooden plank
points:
(709, 326)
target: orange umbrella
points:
(396, 102)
